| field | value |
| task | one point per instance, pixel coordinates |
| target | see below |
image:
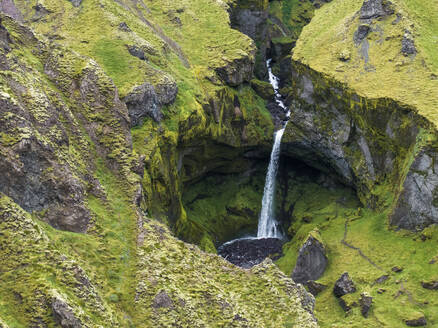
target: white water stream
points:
(268, 225)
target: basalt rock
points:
(147, 100)
(344, 285)
(64, 315)
(419, 321)
(251, 19)
(408, 46)
(237, 70)
(249, 252)
(364, 143)
(431, 285)
(312, 261)
(315, 287)
(365, 302)
(376, 9)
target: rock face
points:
(344, 285)
(375, 9)
(333, 129)
(251, 20)
(249, 252)
(237, 70)
(147, 100)
(365, 302)
(40, 169)
(312, 261)
(417, 206)
(64, 315)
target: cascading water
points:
(268, 225)
(249, 251)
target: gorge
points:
(139, 137)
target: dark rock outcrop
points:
(8, 7)
(238, 70)
(432, 285)
(252, 20)
(363, 141)
(417, 206)
(361, 33)
(64, 315)
(375, 9)
(249, 252)
(408, 46)
(344, 285)
(365, 302)
(312, 261)
(147, 100)
(162, 300)
(136, 52)
(416, 322)
(315, 287)
(76, 3)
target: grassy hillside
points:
(327, 45)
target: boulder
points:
(408, 46)
(432, 285)
(315, 287)
(162, 300)
(375, 9)
(136, 52)
(147, 100)
(416, 321)
(64, 315)
(312, 260)
(249, 252)
(381, 279)
(365, 302)
(344, 285)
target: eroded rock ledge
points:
(381, 147)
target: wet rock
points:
(408, 46)
(249, 252)
(344, 285)
(312, 260)
(147, 100)
(263, 89)
(315, 287)
(361, 33)
(375, 9)
(162, 300)
(136, 52)
(365, 302)
(64, 315)
(252, 21)
(420, 321)
(432, 285)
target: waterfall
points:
(268, 225)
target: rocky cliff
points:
(135, 136)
